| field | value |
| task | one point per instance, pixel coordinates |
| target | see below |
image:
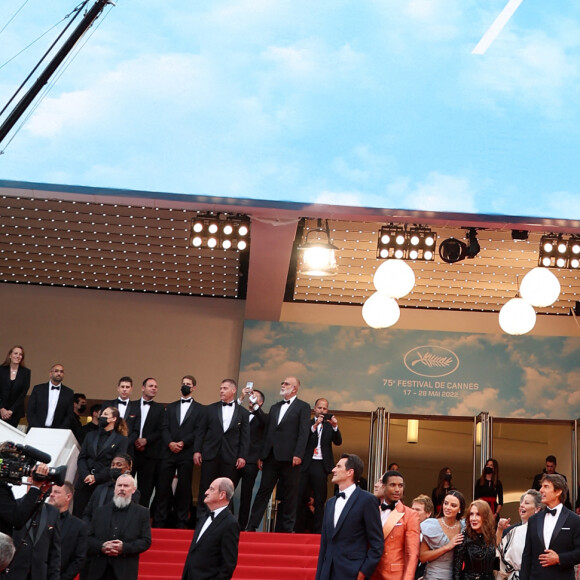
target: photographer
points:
(14, 513)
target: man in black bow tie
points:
(401, 530)
(553, 536)
(180, 427)
(145, 439)
(221, 449)
(51, 404)
(281, 456)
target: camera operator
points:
(14, 513)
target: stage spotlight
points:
(452, 250)
(215, 231)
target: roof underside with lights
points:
(140, 242)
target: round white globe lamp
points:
(540, 287)
(381, 311)
(394, 278)
(517, 317)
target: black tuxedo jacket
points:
(73, 538)
(15, 512)
(356, 543)
(327, 438)
(289, 438)
(186, 432)
(215, 556)
(152, 429)
(39, 554)
(565, 541)
(12, 399)
(134, 532)
(98, 463)
(38, 408)
(257, 429)
(213, 442)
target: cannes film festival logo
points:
(431, 361)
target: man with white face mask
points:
(281, 456)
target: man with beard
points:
(120, 531)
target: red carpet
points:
(261, 556)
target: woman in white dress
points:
(511, 539)
(441, 535)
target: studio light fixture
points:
(453, 250)
(415, 243)
(412, 430)
(317, 254)
(220, 231)
(559, 252)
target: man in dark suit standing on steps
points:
(51, 404)
(120, 532)
(180, 426)
(318, 463)
(145, 440)
(281, 456)
(258, 422)
(223, 440)
(73, 532)
(352, 542)
(127, 409)
(552, 545)
(213, 553)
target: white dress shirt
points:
(284, 408)
(122, 407)
(227, 414)
(208, 522)
(340, 502)
(53, 395)
(550, 524)
(144, 411)
(184, 407)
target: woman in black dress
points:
(14, 384)
(474, 558)
(489, 487)
(444, 486)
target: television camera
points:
(17, 461)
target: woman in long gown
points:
(14, 384)
(511, 546)
(440, 536)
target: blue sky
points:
(362, 369)
(358, 102)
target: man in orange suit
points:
(401, 531)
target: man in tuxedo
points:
(181, 422)
(37, 547)
(51, 404)
(258, 421)
(120, 531)
(213, 553)
(401, 531)
(73, 532)
(123, 401)
(552, 545)
(351, 543)
(318, 463)
(222, 446)
(145, 440)
(281, 456)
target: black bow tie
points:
(212, 515)
(147, 402)
(186, 400)
(341, 494)
(553, 512)
(388, 506)
(227, 404)
(55, 388)
(119, 402)
(286, 402)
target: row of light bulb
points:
(562, 248)
(413, 252)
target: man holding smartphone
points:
(317, 465)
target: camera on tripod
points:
(17, 461)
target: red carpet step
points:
(261, 556)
